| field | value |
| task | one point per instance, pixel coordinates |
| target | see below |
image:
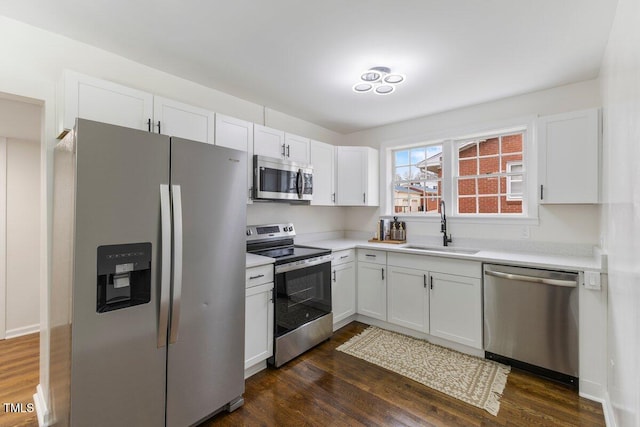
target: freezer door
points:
(206, 351)
(117, 369)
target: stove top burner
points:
(291, 253)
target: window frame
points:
(447, 138)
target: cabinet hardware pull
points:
(364, 197)
(149, 125)
(383, 274)
(159, 130)
(288, 151)
(370, 255)
(345, 256)
(256, 277)
(333, 197)
(273, 294)
(334, 275)
(431, 282)
(283, 155)
(425, 281)
(541, 191)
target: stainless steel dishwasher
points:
(531, 320)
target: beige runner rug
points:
(471, 379)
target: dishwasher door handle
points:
(533, 279)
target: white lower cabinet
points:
(343, 285)
(343, 291)
(456, 309)
(408, 298)
(258, 339)
(372, 290)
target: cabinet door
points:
(357, 176)
(296, 148)
(258, 339)
(455, 307)
(343, 291)
(268, 142)
(569, 157)
(103, 101)
(237, 134)
(175, 118)
(372, 290)
(408, 298)
(322, 158)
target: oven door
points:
(302, 295)
(282, 180)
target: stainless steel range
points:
(303, 316)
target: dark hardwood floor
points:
(327, 387)
(19, 376)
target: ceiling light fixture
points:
(380, 80)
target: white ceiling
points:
(302, 57)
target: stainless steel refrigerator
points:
(147, 296)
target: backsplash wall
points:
(306, 219)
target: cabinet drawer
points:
(259, 275)
(342, 257)
(369, 255)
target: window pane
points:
(416, 173)
(510, 161)
(468, 149)
(488, 204)
(402, 173)
(467, 187)
(489, 147)
(468, 167)
(510, 206)
(489, 165)
(402, 158)
(487, 185)
(512, 143)
(418, 155)
(467, 205)
(432, 202)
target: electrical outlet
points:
(592, 280)
(524, 232)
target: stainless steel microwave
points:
(276, 179)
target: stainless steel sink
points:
(447, 249)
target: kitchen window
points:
(490, 175)
(417, 179)
(481, 176)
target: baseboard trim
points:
(254, 369)
(42, 410)
(344, 322)
(25, 330)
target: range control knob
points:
(249, 233)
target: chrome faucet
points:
(443, 225)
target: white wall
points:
(23, 236)
(621, 220)
(558, 224)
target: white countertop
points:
(254, 260)
(530, 259)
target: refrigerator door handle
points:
(176, 198)
(165, 274)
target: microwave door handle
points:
(300, 183)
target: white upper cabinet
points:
(237, 134)
(357, 176)
(95, 99)
(268, 142)
(296, 148)
(322, 158)
(280, 145)
(175, 118)
(569, 157)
